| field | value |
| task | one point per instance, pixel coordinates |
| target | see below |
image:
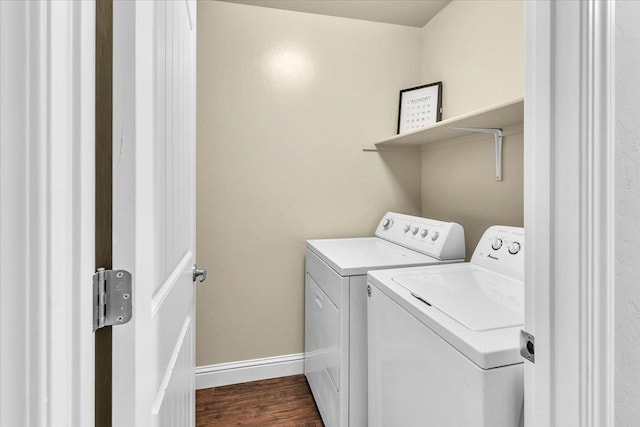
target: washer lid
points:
(356, 256)
(477, 298)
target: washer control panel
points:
(441, 240)
(501, 249)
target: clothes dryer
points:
(336, 302)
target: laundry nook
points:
(336, 213)
(382, 137)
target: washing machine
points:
(444, 340)
(335, 361)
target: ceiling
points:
(414, 13)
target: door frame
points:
(47, 100)
(569, 212)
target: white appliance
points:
(336, 302)
(444, 340)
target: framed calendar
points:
(419, 107)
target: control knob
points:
(387, 223)
(424, 233)
(496, 243)
(514, 248)
(407, 228)
(414, 231)
(435, 236)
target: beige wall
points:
(285, 102)
(458, 184)
(477, 49)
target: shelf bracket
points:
(497, 136)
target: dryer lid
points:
(477, 298)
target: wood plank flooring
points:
(285, 401)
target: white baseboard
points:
(249, 370)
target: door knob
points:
(199, 273)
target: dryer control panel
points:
(501, 249)
(438, 239)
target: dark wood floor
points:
(285, 401)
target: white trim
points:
(47, 88)
(598, 209)
(249, 370)
(569, 213)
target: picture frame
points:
(420, 106)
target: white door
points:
(154, 210)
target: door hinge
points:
(528, 346)
(112, 299)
